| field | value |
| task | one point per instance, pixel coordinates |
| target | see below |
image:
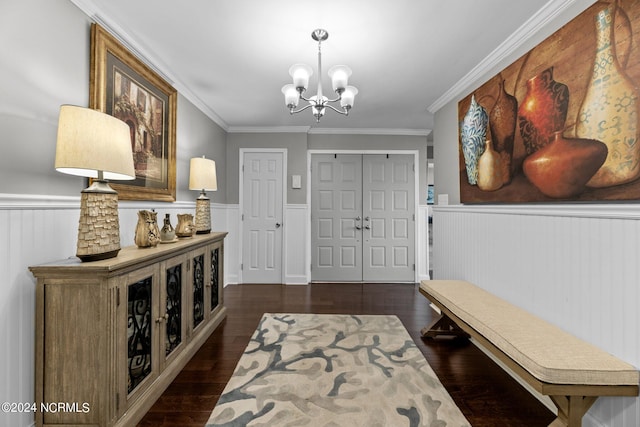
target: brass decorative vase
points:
(609, 111)
(562, 168)
(543, 110)
(147, 233)
(185, 227)
(167, 232)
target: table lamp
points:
(202, 176)
(95, 145)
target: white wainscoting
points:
(575, 266)
(296, 269)
(422, 249)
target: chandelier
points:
(318, 103)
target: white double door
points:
(362, 217)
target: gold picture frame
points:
(123, 86)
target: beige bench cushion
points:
(546, 351)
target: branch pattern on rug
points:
(334, 370)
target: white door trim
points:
(243, 151)
(416, 162)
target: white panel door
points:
(362, 217)
(336, 217)
(262, 212)
(388, 218)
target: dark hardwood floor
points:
(487, 396)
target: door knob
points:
(358, 218)
(358, 227)
(278, 225)
(367, 227)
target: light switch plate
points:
(296, 181)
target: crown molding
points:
(370, 131)
(328, 131)
(152, 61)
(530, 28)
(269, 129)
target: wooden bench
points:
(572, 372)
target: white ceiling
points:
(231, 58)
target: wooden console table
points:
(111, 335)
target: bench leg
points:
(442, 326)
(571, 409)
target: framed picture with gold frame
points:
(123, 86)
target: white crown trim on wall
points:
(627, 211)
(518, 39)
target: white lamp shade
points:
(90, 141)
(300, 74)
(339, 75)
(348, 96)
(291, 96)
(202, 174)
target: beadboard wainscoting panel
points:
(575, 266)
(232, 246)
(296, 233)
(422, 244)
(32, 236)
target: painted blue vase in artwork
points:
(473, 134)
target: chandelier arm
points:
(292, 111)
(343, 112)
(335, 100)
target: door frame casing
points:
(242, 152)
(416, 165)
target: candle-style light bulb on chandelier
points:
(318, 103)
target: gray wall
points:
(44, 58)
(197, 136)
(44, 48)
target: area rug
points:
(333, 370)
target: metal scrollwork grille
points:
(174, 308)
(139, 332)
(215, 255)
(198, 290)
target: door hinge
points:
(413, 216)
(241, 266)
(414, 267)
(242, 217)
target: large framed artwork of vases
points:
(561, 122)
